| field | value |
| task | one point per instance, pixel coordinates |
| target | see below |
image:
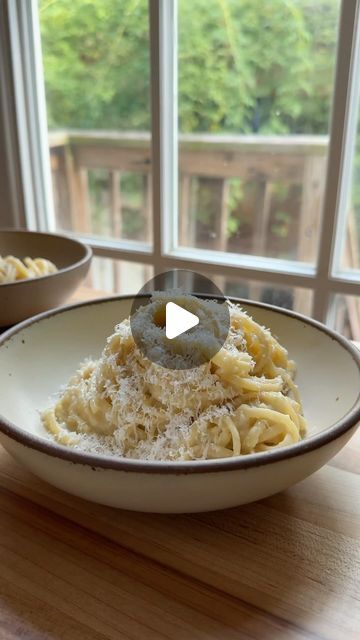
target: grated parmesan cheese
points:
(123, 404)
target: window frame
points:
(23, 115)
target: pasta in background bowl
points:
(13, 269)
(39, 357)
(43, 283)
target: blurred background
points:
(255, 83)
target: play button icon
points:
(178, 320)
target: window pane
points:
(255, 90)
(295, 298)
(96, 66)
(351, 241)
(108, 276)
(347, 316)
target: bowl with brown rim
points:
(39, 356)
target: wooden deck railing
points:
(261, 163)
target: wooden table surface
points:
(287, 567)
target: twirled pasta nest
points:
(242, 401)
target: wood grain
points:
(286, 567)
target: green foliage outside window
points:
(244, 65)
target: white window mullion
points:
(121, 249)
(163, 50)
(44, 187)
(30, 112)
(351, 127)
(12, 203)
(339, 139)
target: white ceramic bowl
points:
(40, 355)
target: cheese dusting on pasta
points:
(243, 401)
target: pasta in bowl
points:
(244, 400)
(13, 269)
(40, 356)
(29, 285)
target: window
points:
(96, 70)
(247, 169)
(346, 311)
(350, 253)
(110, 276)
(257, 78)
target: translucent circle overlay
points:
(194, 293)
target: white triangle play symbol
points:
(178, 320)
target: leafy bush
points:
(244, 65)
